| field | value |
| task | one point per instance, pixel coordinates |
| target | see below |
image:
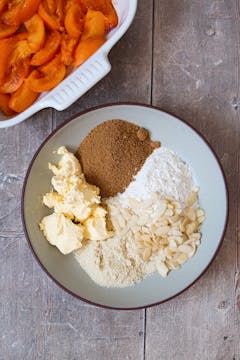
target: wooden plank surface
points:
(38, 320)
(196, 76)
(191, 69)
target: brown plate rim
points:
(68, 121)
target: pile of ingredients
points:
(126, 206)
(41, 41)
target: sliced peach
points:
(94, 24)
(47, 76)
(81, 3)
(107, 8)
(21, 36)
(22, 98)
(74, 20)
(36, 29)
(4, 104)
(68, 45)
(6, 30)
(86, 48)
(51, 64)
(60, 10)
(3, 4)
(51, 20)
(48, 51)
(15, 77)
(111, 18)
(6, 49)
(20, 52)
(20, 11)
(51, 6)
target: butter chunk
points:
(90, 193)
(74, 201)
(72, 208)
(68, 165)
(95, 229)
(62, 232)
(61, 184)
(81, 212)
(99, 211)
(52, 199)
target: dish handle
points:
(78, 82)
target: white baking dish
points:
(84, 77)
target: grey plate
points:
(174, 134)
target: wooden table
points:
(182, 56)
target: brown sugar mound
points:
(112, 153)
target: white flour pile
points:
(163, 173)
(147, 227)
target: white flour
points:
(163, 173)
(115, 262)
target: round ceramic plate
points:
(174, 134)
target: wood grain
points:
(196, 76)
(38, 320)
(191, 68)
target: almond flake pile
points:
(161, 228)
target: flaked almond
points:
(192, 198)
(191, 228)
(168, 213)
(146, 254)
(181, 258)
(162, 230)
(162, 269)
(190, 213)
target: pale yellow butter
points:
(95, 226)
(62, 232)
(74, 202)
